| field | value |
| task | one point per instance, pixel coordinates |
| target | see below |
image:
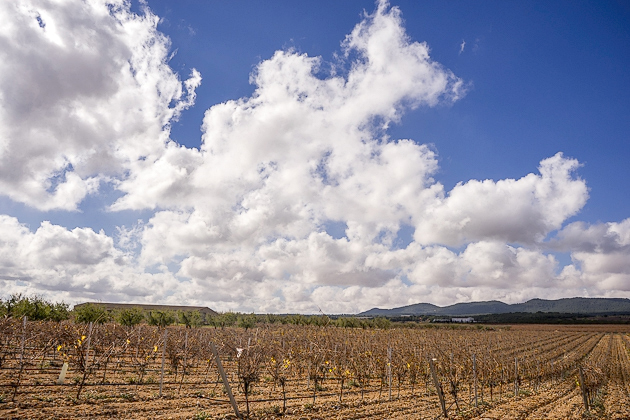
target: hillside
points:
(569, 305)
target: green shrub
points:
(59, 311)
(271, 318)
(320, 320)
(161, 318)
(191, 319)
(34, 308)
(90, 312)
(382, 322)
(246, 321)
(226, 319)
(297, 319)
(129, 317)
(347, 322)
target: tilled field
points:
(521, 373)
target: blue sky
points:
(193, 152)
(546, 77)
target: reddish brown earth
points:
(200, 397)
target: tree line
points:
(37, 308)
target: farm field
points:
(309, 372)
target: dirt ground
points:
(557, 401)
(550, 401)
(558, 398)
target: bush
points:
(90, 312)
(297, 319)
(191, 318)
(59, 311)
(161, 318)
(7, 306)
(129, 317)
(226, 319)
(347, 322)
(271, 318)
(382, 322)
(34, 307)
(246, 321)
(320, 320)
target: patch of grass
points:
(127, 396)
(354, 384)
(72, 400)
(597, 403)
(93, 395)
(273, 410)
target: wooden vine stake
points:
(515, 377)
(85, 360)
(225, 380)
(308, 377)
(17, 384)
(163, 354)
(389, 371)
(438, 387)
(583, 389)
(475, 378)
(185, 365)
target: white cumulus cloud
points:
(523, 210)
(72, 265)
(86, 90)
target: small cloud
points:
(186, 27)
(129, 239)
(462, 46)
(476, 46)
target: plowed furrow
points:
(519, 408)
(568, 407)
(617, 401)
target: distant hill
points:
(418, 308)
(576, 305)
(569, 305)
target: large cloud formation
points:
(86, 91)
(296, 199)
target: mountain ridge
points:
(577, 305)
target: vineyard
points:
(72, 370)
